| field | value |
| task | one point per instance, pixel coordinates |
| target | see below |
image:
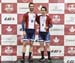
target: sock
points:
(48, 52)
(42, 54)
(30, 55)
(23, 55)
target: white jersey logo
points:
(31, 20)
(43, 23)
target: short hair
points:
(30, 3)
(44, 8)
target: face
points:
(31, 7)
(43, 11)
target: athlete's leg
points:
(32, 37)
(48, 45)
(48, 49)
(30, 50)
(42, 49)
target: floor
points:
(35, 61)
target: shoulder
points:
(25, 14)
(39, 15)
(48, 17)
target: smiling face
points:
(43, 10)
(31, 7)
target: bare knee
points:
(47, 44)
(31, 44)
(24, 44)
(42, 44)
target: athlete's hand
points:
(46, 27)
(24, 33)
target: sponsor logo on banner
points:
(9, 1)
(69, 40)
(57, 18)
(56, 8)
(72, 29)
(57, 40)
(41, 1)
(70, 51)
(9, 29)
(70, 8)
(69, 59)
(69, 18)
(9, 18)
(22, 8)
(24, 1)
(57, 30)
(57, 50)
(8, 58)
(9, 50)
(69, 30)
(56, 1)
(9, 39)
(9, 8)
(69, 1)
